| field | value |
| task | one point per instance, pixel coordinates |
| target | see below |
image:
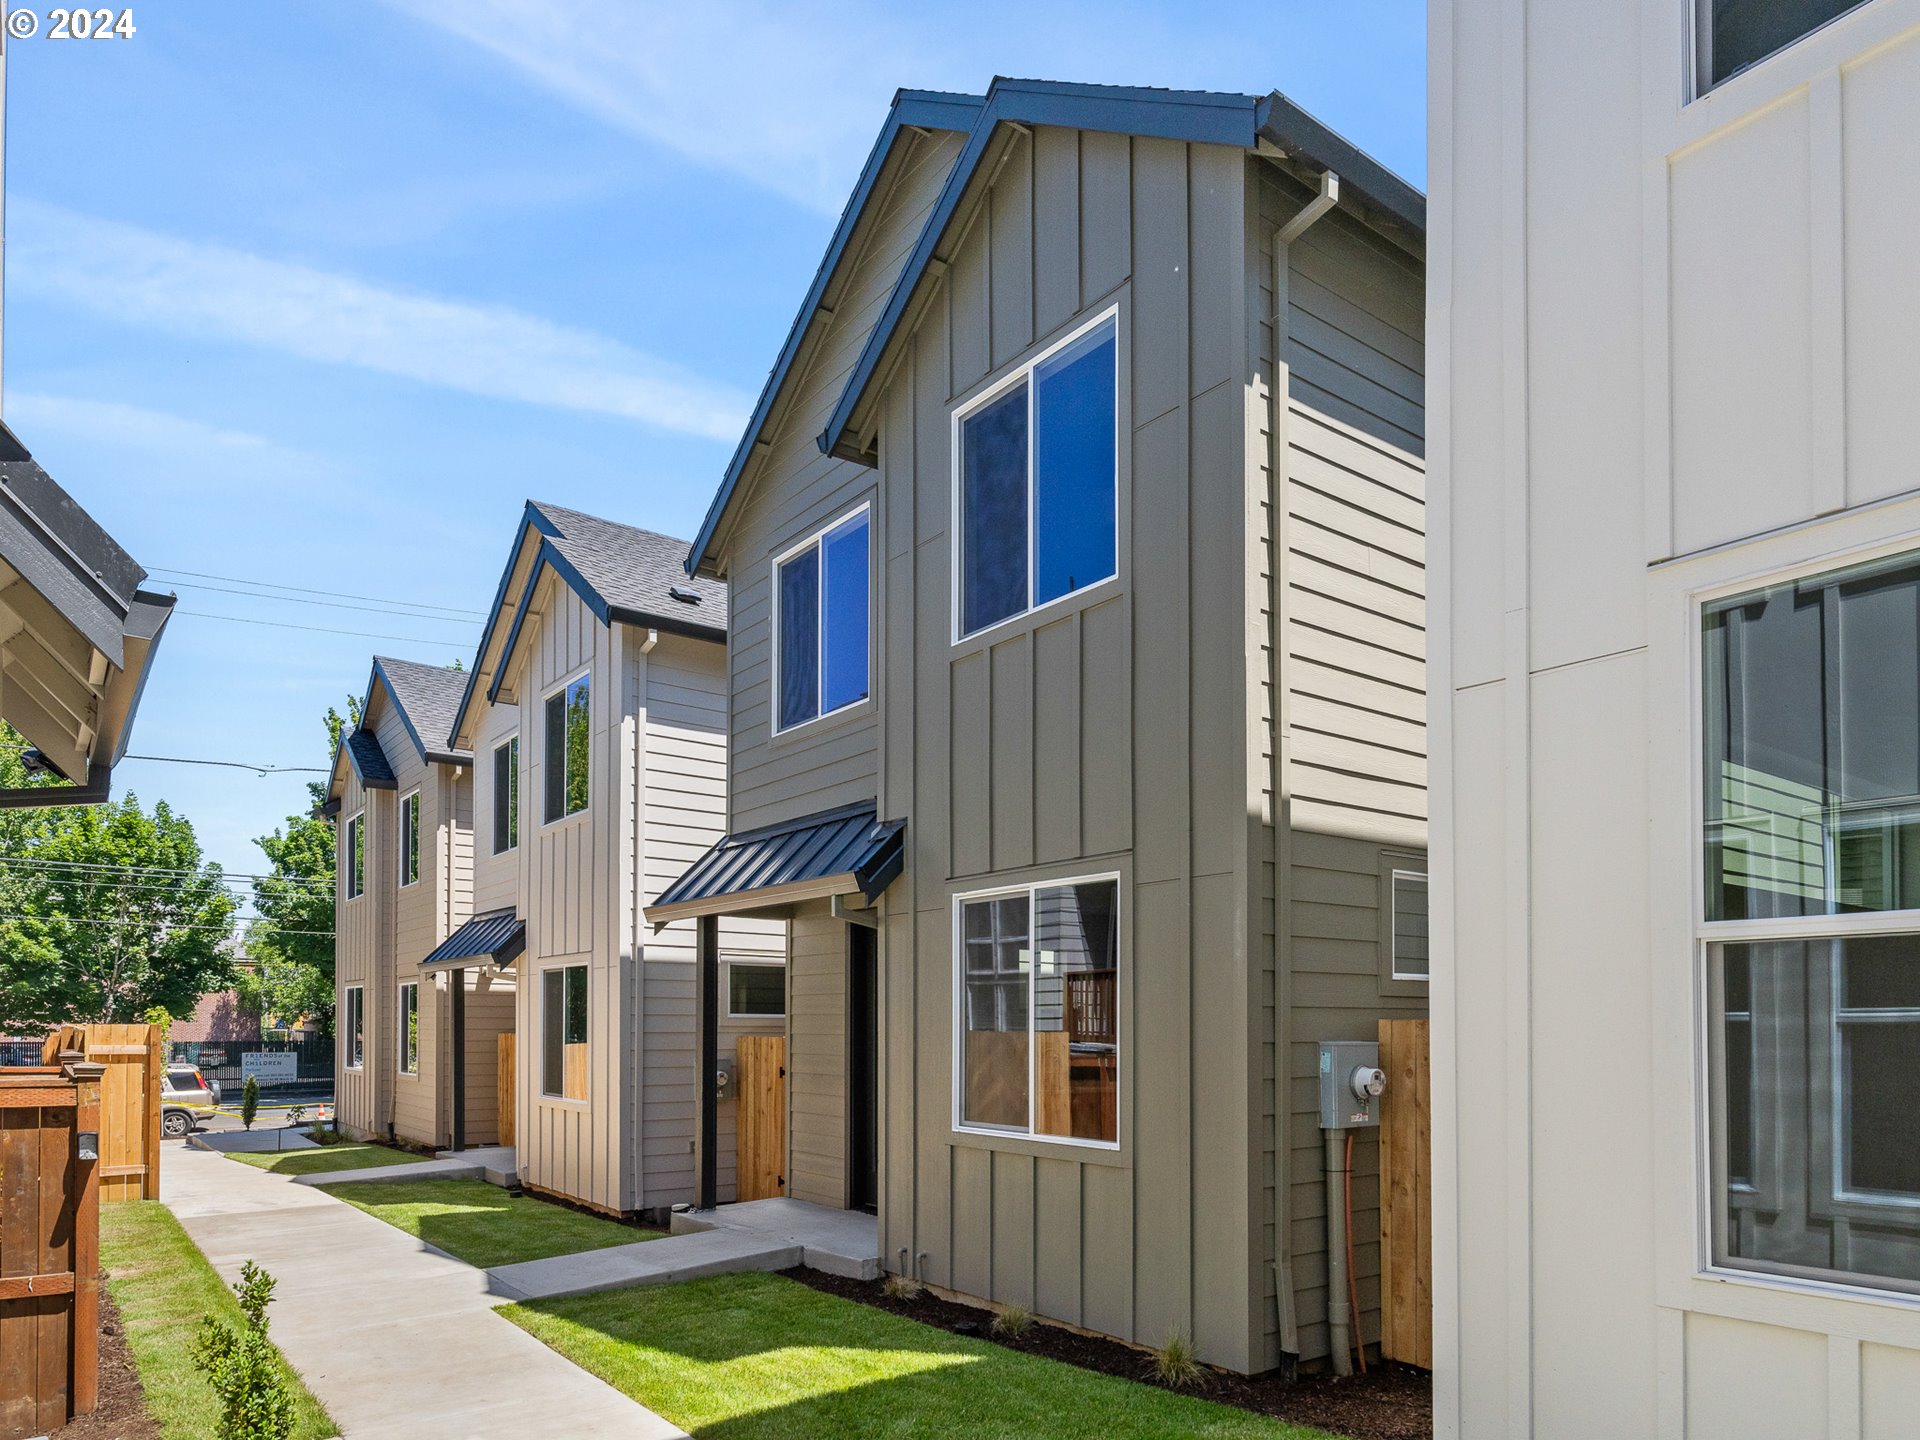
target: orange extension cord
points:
(1353, 1285)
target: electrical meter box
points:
(1351, 1083)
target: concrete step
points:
(650, 1262)
(424, 1170)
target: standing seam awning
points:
(835, 852)
(499, 936)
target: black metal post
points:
(707, 1020)
(459, 1059)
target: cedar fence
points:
(49, 1247)
(1406, 1195)
(129, 1125)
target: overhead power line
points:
(20, 749)
(224, 929)
(334, 594)
(324, 629)
(138, 871)
(331, 604)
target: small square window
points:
(1409, 924)
(755, 991)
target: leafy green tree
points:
(106, 911)
(293, 944)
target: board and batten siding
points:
(1340, 687)
(793, 490)
(1100, 735)
(362, 955)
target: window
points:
(563, 1032)
(506, 796)
(822, 622)
(353, 1026)
(1037, 989)
(1730, 35)
(1811, 846)
(567, 747)
(356, 857)
(1409, 922)
(1037, 488)
(755, 990)
(410, 839)
(410, 1028)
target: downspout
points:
(1284, 1290)
(634, 904)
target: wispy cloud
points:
(132, 427)
(133, 275)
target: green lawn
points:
(333, 1157)
(481, 1223)
(761, 1357)
(163, 1285)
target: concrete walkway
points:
(759, 1235)
(399, 1341)
(395, 1174)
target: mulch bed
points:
(122, 1411)
(1390, 1402)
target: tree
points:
(106, 911)
(293, 944)
(250, 1101)
(243, 1366)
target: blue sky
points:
(319, 293)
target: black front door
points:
(863, 1073)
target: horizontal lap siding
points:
(817, 1061)
(1348, 546)
(1038, 747)
(792, 491)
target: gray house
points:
(1076, 702)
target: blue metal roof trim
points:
(547, 554)
(369, 761)
(499, 936)
(1195, 116)
(846, 841)
(530, 518)
(930, 109)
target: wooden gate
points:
(503, 1079)
(760, 1140)
(49, 1248)
(129, 1103)
(1406, 1195)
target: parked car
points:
(183, 1091)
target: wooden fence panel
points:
(760, 1132)
(503, 1086)
(129, 1166)
(1406, 1194)
(49, 1250)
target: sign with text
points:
(269, 1067)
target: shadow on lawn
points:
(483, 1224)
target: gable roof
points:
(1269, 123)
(369, 761)
(911, 110)
(620, 572)
(426, 697)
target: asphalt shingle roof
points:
(428, 696)
(635, 570)
(370, 761)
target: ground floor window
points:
(1037, 991)
(353, 1026)
(755, 991)
(1816, 1066)
(563, 1032)
(410, 1028)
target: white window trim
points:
(361, 991)
(585, 672)
(1696, 17)
(498, 746)
(865, 507)
(957, 962)
(540, 1075)
(786, 1001)
(399, 1031)
(358, 818)
(1024, 372)
(1705, 934)
(404, 838)
(1393, 926)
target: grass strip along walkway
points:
(481, 1223)
(761, 1357)
(333, 1157)
(163, 1286)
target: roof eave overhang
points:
(745, 902)
(532, 522)
(912, 110)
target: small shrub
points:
(901, 1287)
(250, 1101)
(1176, 1366)
(242, 1368)
(1012, 1322)
(323, 1134)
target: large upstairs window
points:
(822, 622)
(356, 857)
(410, 839)
(506, 795)
(569, 729)
(1037, 485)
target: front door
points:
(863, 1070)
